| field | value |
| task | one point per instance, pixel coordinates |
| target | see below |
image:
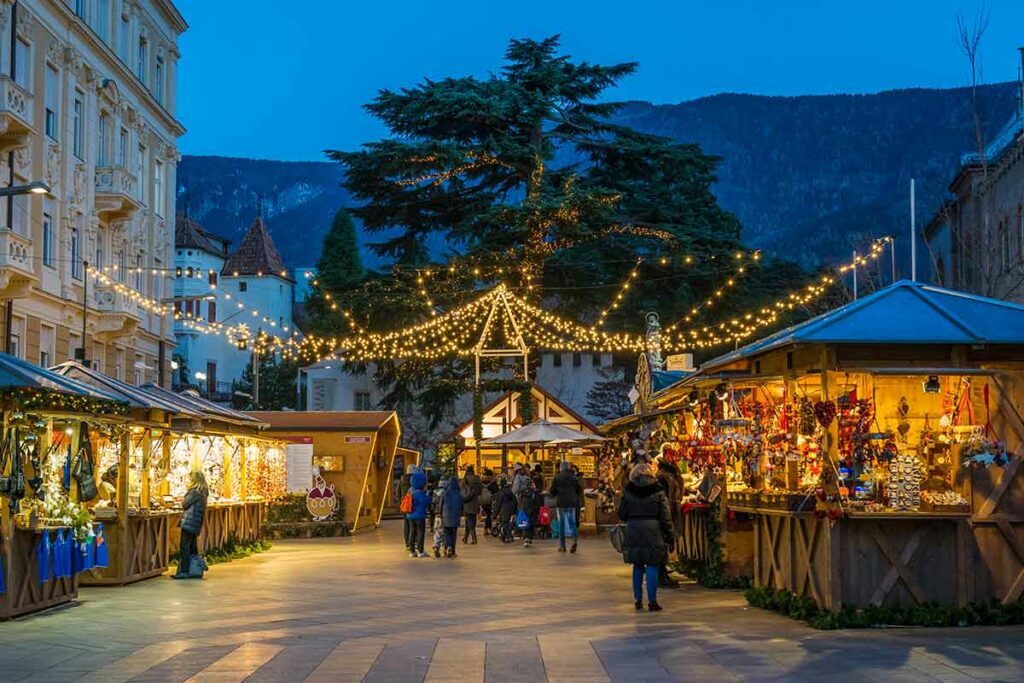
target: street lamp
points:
(35, 187)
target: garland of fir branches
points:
(711, 573)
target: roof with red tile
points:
(256, 255)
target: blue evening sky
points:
(285, 79)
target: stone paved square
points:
(359, 609)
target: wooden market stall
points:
(138, 523)
(877, 449)
(355, 451)
(502, 416)
(244, 468)
(48, 474)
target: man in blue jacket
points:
(418, 517)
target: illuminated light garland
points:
(143, 301)
(750, 322)
(620, 295)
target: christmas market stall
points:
(137, 522)
(244, 468)
(354, 453)
(52, 428)
(512, 410)
(877, 449)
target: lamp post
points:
(11, 191)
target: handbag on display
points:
(102, 551)
(83, 469)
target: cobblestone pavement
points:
(361, 610)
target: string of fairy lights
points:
(458, 331)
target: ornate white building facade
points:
(87, 106)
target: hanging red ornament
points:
(825, 411)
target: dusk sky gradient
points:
(285, 80)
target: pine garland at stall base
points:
(711, 573)
(992, 613)
(232, 550)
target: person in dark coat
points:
(671, 482)
(193, 513)
(472, 487)
(504, 507)
(417, 519)
(644, 509)
(529, 500)
(451, 514)
(567, 492)
(490, 489)
(538, 478)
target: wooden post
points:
(124, 461)
(243, 472)
(226, 449)
(147, 454)
(165, 461)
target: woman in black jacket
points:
(644, 509)
(193, 512)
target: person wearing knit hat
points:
(645, 510)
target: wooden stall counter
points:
(864, 558)
(140, 548)
(25, 593)
(226, 522)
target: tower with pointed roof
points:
(248, 286)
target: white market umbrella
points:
(541, 433)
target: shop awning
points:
(540, 433)
(193, 403)
(136, 397)
(903, 313)
(16, 373)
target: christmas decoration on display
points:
(904, 486)
(321, 501)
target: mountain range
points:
(810, 177)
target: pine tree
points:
(340, 265)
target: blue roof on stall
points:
(905, 312)
(16, 373)
(663, 379)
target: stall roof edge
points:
(16, 373)
(994, 322)
(137, 397)
(195, 404)
(324, 420)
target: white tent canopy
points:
(541, 433)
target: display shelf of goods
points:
(267, 475)
(904, 484)
(746, 499)
(944, 501)
(235, 468)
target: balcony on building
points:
(117, 314)
(15, 115)
(116, 196)
(17, 272)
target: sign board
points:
(357, 439)
(680, 361)
(299, 466)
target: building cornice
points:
(126, 78)
(173, 15)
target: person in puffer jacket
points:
(418, 516)
(192, 516)
(503, 507)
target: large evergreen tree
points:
(528, 180)
(523, 169)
